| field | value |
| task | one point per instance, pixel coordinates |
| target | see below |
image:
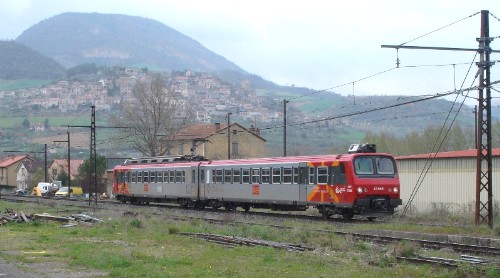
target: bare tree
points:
(154, 117)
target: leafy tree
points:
(26, 123)
(84, 177)
(154, 118)
(63, 177)
(36, 178)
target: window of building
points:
(234, 149)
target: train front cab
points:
(376, 182)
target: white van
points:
(48, 188)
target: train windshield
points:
(374, 165)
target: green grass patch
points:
(14, 122)
(151, 245)
(11, 85)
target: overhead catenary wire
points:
(436, 147)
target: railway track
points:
(221, 220)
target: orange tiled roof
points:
(7, 161)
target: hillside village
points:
(209, 95)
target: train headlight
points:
(390, 190)
(396, 190)
(360, 190)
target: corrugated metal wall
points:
(449, 184)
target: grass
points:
(152, 246)
(11, 85)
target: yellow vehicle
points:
(75, 191)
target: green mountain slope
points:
(20, 62)
(112, 39)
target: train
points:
(360, 182)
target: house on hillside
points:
(59, 166)
(211, 141)
(9, 168)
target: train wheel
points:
(347, 214)
(246, 208)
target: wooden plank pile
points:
(13, 216)
(18, 216)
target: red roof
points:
(7, 161)
(203, 131)
(452, 154)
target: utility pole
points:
(284, 126)
(229, 135)
(45, 161)
(69, 163)
(93, 155)
(484, 209)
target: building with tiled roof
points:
(61, 165)
(211, 141)
(9, 167)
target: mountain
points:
(20, 62)
(120, 40)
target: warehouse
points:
(449, 184)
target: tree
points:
(26, 123)
(154, 118)
(83, 178)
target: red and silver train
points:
(361, 182)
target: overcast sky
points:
(318, 44)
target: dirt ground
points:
(46, 269)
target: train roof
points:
(266, 160)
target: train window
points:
(202, 176)
(312, 171)
(165, 176)
(145, 176)
(183, 176)
(152, 176)
(266, 175)
(287, 175)
(256, 175)
(193, 180)
(277, 175)
(322, 173)
(338, 174)
(236, 176)
(178, 176)
(159, 176)
(295, 175)
(171, 176)
(245, 175)
(218, 176)
(363, 166)
(134, 176)
(385, 166)
(127, 177)
(228, 176)
(139, 176)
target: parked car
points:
(75, 191)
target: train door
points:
(301, 178)
(200, 182)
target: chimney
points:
(254, 130)
(217, 126)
